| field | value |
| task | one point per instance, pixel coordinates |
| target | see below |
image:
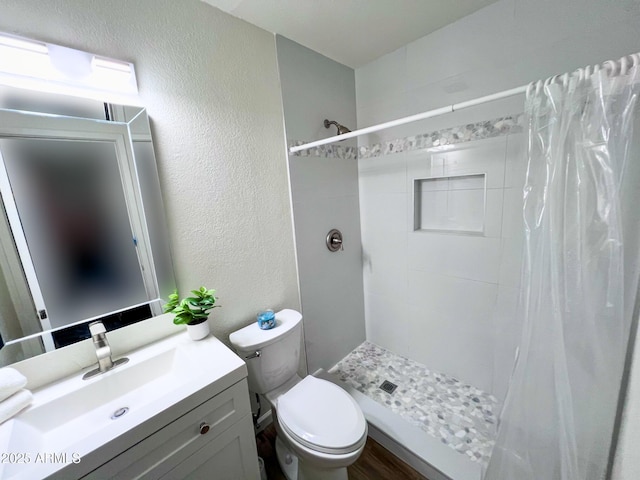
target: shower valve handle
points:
(334, 240)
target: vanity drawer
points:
(159, 453)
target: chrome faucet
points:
(103, 351)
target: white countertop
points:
(71, 419)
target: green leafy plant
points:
(191, 310)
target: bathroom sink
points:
(73, 417)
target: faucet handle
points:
(96, 328)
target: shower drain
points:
(388, 387)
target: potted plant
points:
(192, 311)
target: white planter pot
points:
(199, 331)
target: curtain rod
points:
(412, 118)
(615, 67)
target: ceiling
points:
(352, 32)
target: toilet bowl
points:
(320, 428)
(323, 426)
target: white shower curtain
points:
(579, 281)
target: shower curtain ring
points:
(624, 65)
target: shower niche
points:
(450, 204)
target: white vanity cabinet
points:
(213, 441)
(178, 409)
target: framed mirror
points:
(82, 227)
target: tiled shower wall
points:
(446, 299)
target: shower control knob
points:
(334, 240)
(204, 428)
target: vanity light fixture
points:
(23, 44)
(107, 64)
(46, 67)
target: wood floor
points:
(375, 463)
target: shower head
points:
(341, 128)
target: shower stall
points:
(425, 314)
(442, 238)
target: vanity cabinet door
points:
(205, 427)
(231, 456)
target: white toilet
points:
(320, 427)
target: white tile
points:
(486, 156)
(383, 248)
(493, 213)
(433, 184)
(472, 359)
(511, 261)
(383, 174)
(512, 219)
(435, 95)
(505, 312)
(453, 210)
(507, 329)
(388, 279)
(504, 360)
(444, 343)
(463, 256)
(424, 164)
(516, 161)
(480, 113)
(466, 209)
(466, 302)
(383, 231)
(386, 323)
(433, 209)
(430, 338)
(463, 45)
(389, 107)
(384, 212)
(467, 182)
(478, 157)
(470, 211)
(431, 252)
(506, 306)
(385, 74)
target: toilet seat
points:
(322, 417)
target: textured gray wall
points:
(210, 84)
(325, 196)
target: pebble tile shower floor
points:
(462, 416)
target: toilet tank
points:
(279, 351)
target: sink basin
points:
(73, 417)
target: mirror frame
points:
(135, 127)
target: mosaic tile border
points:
(448, 136)
(325, 151)
(461, 416)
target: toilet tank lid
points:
(252, 337)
